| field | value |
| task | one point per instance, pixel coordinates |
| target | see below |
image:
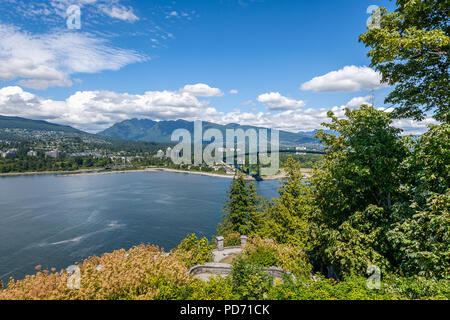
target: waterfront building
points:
(52, 154)
(169, 152)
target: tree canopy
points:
(411, 48)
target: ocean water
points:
(56, 220)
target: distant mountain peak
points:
(161, 131)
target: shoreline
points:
(99, 171)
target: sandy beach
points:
(99, 171)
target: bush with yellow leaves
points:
(144, 272)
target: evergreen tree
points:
(286, 220)
(241, 208)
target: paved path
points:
(218, 256)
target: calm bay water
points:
(55, 221)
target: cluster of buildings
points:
(161, 154)
(228, 149)
(86, 154)
(123, 159)
(216, 167)
(11, 153)
(299, 150)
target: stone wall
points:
(225, 269)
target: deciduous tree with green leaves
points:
(421, 235)
(355, 189)
(411, 49)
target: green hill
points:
(40, 125)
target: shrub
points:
(192, 251)
(250, 281)
(327, 289)
(419, 288)
(232, 239)
(263, 256)
(144, 272)
(270, 253)
(217, 288)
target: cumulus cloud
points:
(310, 119)
(234, 91)
(348, 79)
(202, 90)
(358, 101)
(413, 127)
(120, 12)
(275, 101)
(44, 60)
(97, 110)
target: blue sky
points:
(274, 63)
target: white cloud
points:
(202, 90)
(249, 103)
(311, 119)
(97, 110)
(43, 60)
(348, 79)
(172, 14)
(358, 101)
(111, 8)
(414, 127)
(275, 101)
(120, 12)
(234, 91)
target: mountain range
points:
(146, 130)
(161, 131)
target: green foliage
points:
(354, 288)
(250, 281)
(308, 161)
(356, 243)
(354, 190)
(232, 240)
(419, 288)
(422, 240)
(268, 253)
(286, 220)
(241, 208)
(411, 49)
(421, 235)
(382, 199)
(217, 288)
(193, 251)
(263, 256)
(361, 166)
